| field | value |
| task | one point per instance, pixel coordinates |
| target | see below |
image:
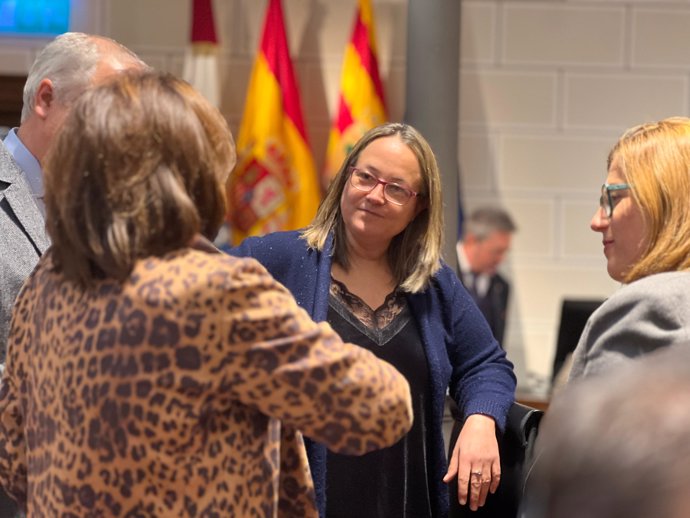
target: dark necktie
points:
(474, 291)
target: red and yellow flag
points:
(361, 105)
(274, 185)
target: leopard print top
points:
(180, 393)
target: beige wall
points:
(546, 87)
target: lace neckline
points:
(378, 318)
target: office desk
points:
(539, 401)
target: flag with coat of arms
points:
(274, 185)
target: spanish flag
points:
(274, 185)
(361, 105)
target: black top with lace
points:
(392, 482)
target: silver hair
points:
(486, 220)
(69, 61)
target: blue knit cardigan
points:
(462, 355)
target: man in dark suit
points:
(487, 235)
(486, 239)
(62, 71)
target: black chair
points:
(574, 316)
(515, 447)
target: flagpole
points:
(432, 94)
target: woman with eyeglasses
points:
(644, 219)
(149, 375)
(370, 264)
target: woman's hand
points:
(475, 461)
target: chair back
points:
(516, 448)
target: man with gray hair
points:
(62, 71)
(486, 239)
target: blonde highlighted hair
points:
(655, 159)
(414, 255)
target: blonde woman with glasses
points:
(644, 220)
(370, 264)
(148, 374)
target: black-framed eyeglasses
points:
(364, 181)
(606, 201)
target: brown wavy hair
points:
(655, 159)
(137, 170)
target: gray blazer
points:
(22, 238)
(640, 317)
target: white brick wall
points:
(561, 34)
(545, 89)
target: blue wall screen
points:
(34, 17)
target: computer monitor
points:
(574, 315)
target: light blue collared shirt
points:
(28, 164)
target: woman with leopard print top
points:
(148, 377)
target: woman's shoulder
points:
(265, 242)
(194, 267)
(444, 280)
(445, 290)
(662, 295)
(656, 286)
(639, 317)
